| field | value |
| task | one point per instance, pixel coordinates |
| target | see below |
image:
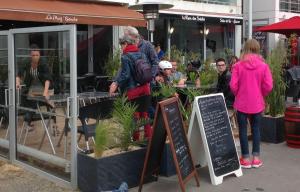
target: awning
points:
(67, 12)
(286, 27)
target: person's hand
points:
(46, 94)
(112, 88)
(18, 84)
(197, 83)
(181, 82)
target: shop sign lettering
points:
(233, 21)
(193, 18)
(61, 19)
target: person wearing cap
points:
(136, 93)
(165, 72)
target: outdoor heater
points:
(150, 10)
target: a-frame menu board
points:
(211, 137)
(168, 122)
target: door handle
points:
(68, 107)
(6, 93)
(18, 97)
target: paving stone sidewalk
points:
(16, 179)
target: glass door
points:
(4, 117)
(44, 66)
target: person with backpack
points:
(133, 82)
(145, 47)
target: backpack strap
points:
(132, 65)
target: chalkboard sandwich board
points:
(210, 123)
(168, 122)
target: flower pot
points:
(108, 173)
(272, 129)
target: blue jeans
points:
(255, 123)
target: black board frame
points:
(161, 118)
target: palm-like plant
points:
(124, 113)
(113, 63)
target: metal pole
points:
(204, 43)
(151, 36)
(169, 40)
(250, 20)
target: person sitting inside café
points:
(193, 74)
(165, 73)
(177, 77)
(37, 79)
(224, 77)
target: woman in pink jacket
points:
(251, 81)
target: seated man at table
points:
(165, 72)
(37, 79)
(224, 77)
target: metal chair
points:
(97, 111)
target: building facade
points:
(268, 12)
(217, 24)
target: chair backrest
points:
(98, 110)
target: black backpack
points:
(142, 72)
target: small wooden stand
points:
(168, 122)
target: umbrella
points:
(286, 27)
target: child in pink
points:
(251, 81)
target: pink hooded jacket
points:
(251, 81)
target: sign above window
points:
(204, 19)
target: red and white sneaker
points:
(245, 163)
(256, 163)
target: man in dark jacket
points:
(224, 78)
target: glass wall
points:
(219, 40)
(4, 115)
(44, 63)
(221, 2)
(292, 6)
(101, 46)
(188, 37)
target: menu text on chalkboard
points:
(211, 137)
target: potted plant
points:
(108, 172)
(272, 124)
(110, 69)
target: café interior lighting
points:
(171, 30)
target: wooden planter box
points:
(108, 173)
(272, 129)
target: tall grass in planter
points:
(272, 126)
(101, 138)
(276, 99)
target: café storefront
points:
(72, 37)
(207, 35)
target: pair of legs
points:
(255, 120)
(143, 104)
